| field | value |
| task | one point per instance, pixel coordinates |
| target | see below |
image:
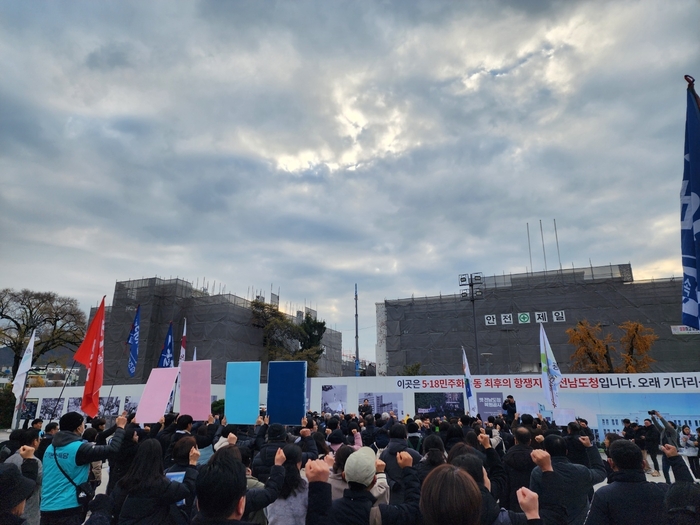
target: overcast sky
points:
(315, 145)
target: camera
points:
(651, 412)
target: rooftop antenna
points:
(561, 269)
(357, 339)
(529, 248)
(543, 252)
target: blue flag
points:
(166, 356)
(690, 210)
(133, 342)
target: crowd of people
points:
(352, 469)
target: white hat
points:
(361, 467)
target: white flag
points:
(551, 376)
(182, 344)
(24, 365)
(471, 397)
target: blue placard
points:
(242, 405)
(286, 391)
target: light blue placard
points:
(286, 391)
(242, 405)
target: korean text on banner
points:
(195, 389)
(286, 391)
(156, 394)
(243, 386)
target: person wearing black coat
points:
(277, 439)
(146, 496)
(518, 465)
(629, 499)
(394, 472)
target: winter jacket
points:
(263, 462)
(518, 465)
(154, 505)
(577, 480)
(394, 473)
(669, 435)
(74, 456)
(629, 499)
(380, 490)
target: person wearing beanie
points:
(59, 502)
(15, 487)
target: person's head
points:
(90, 434)
(72, 422)
(685, 429)
(29, 438)
(181, 450)
(360, 469)
(169, 418)
(626, 422)
(14, 489)
(147, 468)
(184, 422)
(625, 455)
(293, 482)
(450, 495)
(321, 444)
(333, 423)
(51, 428)
(555, 445)
(276, 432)
(527, 420)
(434, 450)
(471, 439)
(341, 457)
(398, 431)
(510, 399)
(573, 428)
(472, 464)
(582, 422)
(37, 424)
(522, 436)
(98, 423)
(221, 487)
(682, 504)
(412, 427)
(444, 426)
(365, 402)
(454, 432)
(610, 438)
(458, 449)
(647, 422)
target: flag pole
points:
(22, 397)
(58, 400)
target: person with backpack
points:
(414, 438)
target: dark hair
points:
(98, 422)
(333, 423)
(90, 434)
(369, 419)
(147, 468)
(472, 464)
(444, 426)
(229, 429)
(183, 422)
(321, 444)
(398, 431)
(450, 495)
(434, 450)
(471, 439)
(457, 450)
(221, 484)
(28, 437)
(555, 445)
(169, 418)
(612, 437)
(341, 456)
(37, 421)
(626, 455)
(293, 482)
(527, 420)
(574, 428)
(523, 436)
(454, 432)
(181, 450)
(51, 426)
(246, 456)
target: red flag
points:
(91, 354)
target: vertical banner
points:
(286, 391)
(156, 394)
(195, 389)
(242, 405)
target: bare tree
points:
(58, 321)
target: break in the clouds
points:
(314, 145)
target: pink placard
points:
(195, 389)
(156, 395)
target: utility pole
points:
(357, 339)
(475, 292)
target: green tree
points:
(412, 370)
(59, 322)
(284, 340)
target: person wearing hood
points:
(518, 465)
(397, 443)
(16, 485)
(59, 501)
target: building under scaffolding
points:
(219, 326)
(505, 317)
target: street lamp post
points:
(474, 292)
